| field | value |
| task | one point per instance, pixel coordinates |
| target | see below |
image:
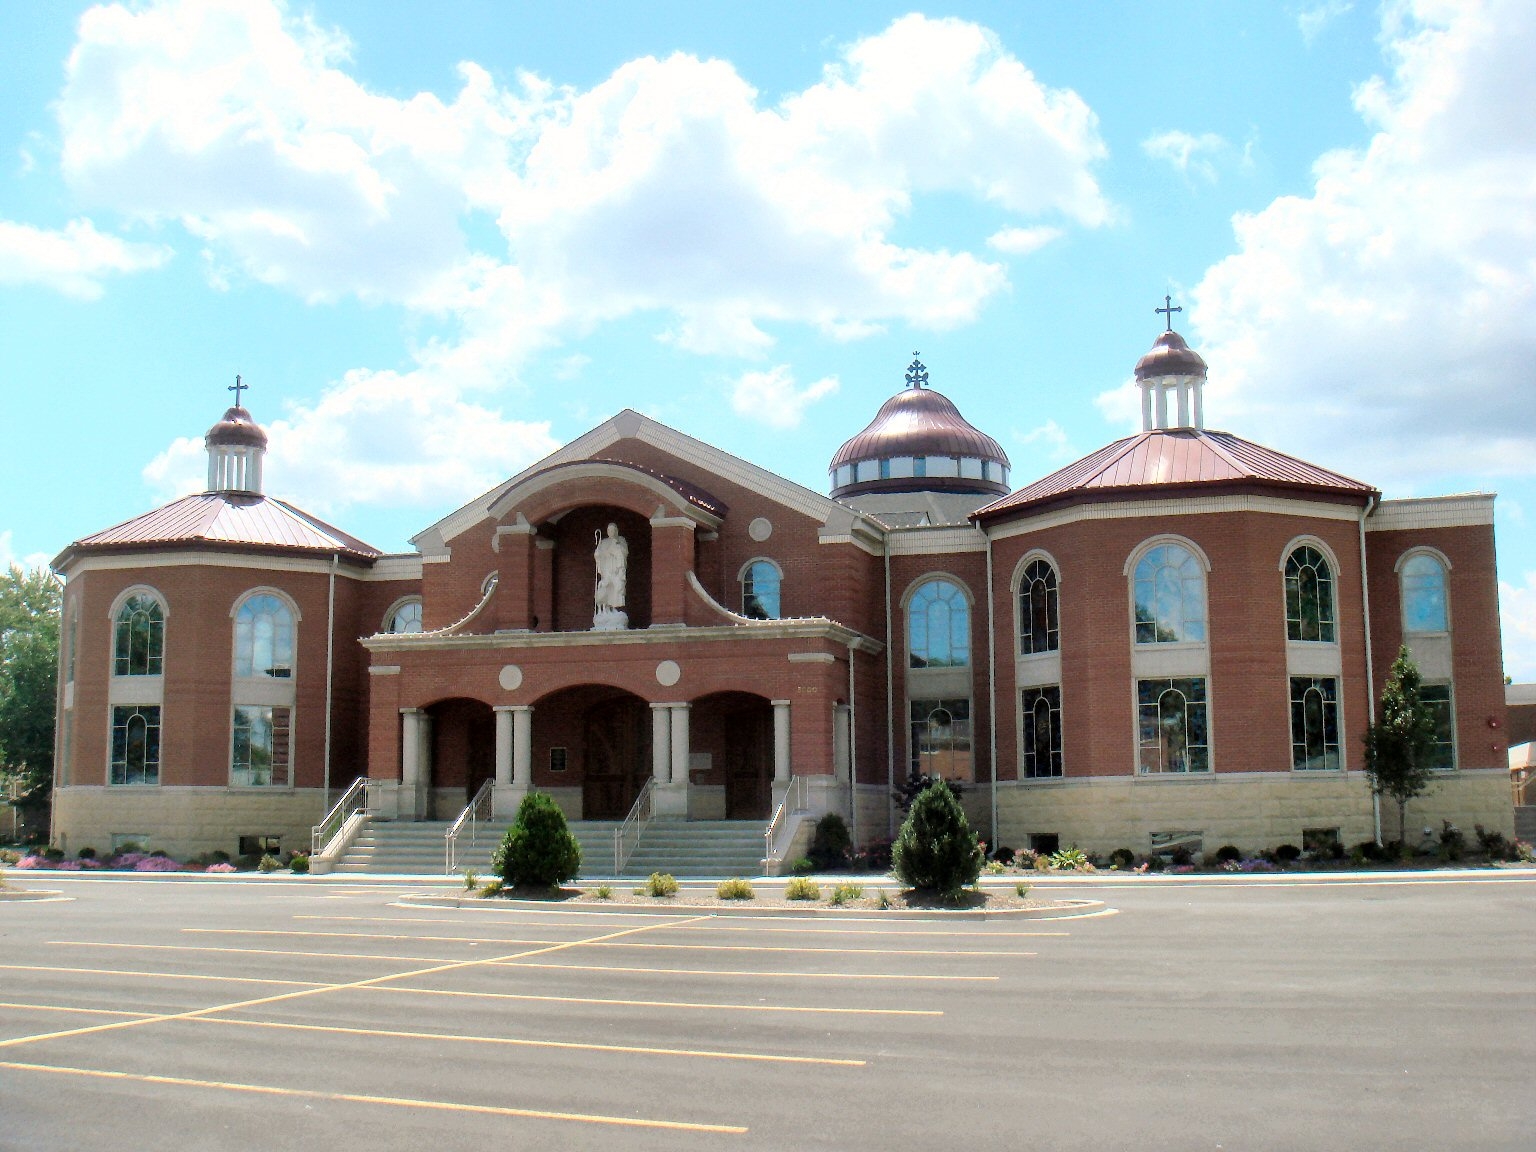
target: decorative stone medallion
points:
(511, 678)
(668, 673)
(760, 529)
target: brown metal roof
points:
(919, 422)
(236, 426)
(1170, 356)
(233, 519)
(1175, 458)
(690, 492)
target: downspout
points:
(1370, 672)
(991, 691)
(853, 756)
(890, 700)
(330, 672)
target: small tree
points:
(831, 844)
(538, 850)
(916, 783)
(936, 851)
(1400, 746)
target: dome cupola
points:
(919, 442)
(236, 446)
(1171, 370)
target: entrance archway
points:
(463, 750)
(736, 728)
(600, 738)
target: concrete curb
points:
(1060, 910)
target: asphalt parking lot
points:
(191, 1015)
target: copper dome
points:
(920, 424)
(1170, 356)
(236, 427)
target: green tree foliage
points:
(1400, 746)
(936, 851)
(538, 851)
(29, 675)
(916, 781)
(831, 844)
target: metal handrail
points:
(354, 799)
(794, 801)
(633, 825)
(1520, 787)
(475, 812)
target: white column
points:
(410, 747)
(1196, 387)
(503, 745)
(781, 767)
(680, 743)
(1162, 404)
(841, 745)
(661, 743)
(522, 745)
(1146, 407)
(1183, 403)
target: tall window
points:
(1170, 596)
(136, 744)
(139, 645)
(1042, 732)
(1438, 698)
(1314, 723)
(261, 749)
(1424, 609)
(941, 738)
(1038, 625)
(406, 617)
(760, 590)
(939, 626)
(264, 638)
(1171, 718)
(1309, 612)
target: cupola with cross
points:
(919, 442)
(1171, 372)
(236, 446)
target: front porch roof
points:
(809, 628)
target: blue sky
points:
(439, 240)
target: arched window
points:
(1314, 723)
(939, 626)
(264, 637)
(1309, 612)
(406, 617)
(760, 582)
(1424, 607)
(941, 738)
(136, 744)
(139, 646)
(1042, 732)
(1170, 596)
(1038, 609)
(1172, 722)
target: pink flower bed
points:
(220, 868)
(157, 864)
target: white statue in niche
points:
(612, 558)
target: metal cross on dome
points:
(917, 374)
(237, 388)
(1168, 309)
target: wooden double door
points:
(616, 757)
(747, 739)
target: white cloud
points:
(73, 260)
(1022, 241)
(1314, 19)
(771, 397)
(1049, 440)
(1517, 612)
(1385, 324)
(8, 555)
(1187, 153)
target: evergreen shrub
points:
(538, 851)
(1122, 858)
(936, 851)
(1228, 854)
(831, 845)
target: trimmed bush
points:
(831, 845)
(1227, 854)
(1287, 853)
(299, 864)
(538, 851)
(660, 884)
(735, 889)
(801, 888)
(803, 866)
(269, 863)
(1122, 858)
(936, 851)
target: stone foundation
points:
(182, 821)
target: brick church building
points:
(1178, 639)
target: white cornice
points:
(1461, 511)
(804, 629)
(936, 541)
(1186, 506)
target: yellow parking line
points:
(254, 951)
(391, 1101)
(658, 1003)
(15, 1041)
(69, 1008)
(613, 944)
(160, 975)
(518, 1042)
(721, 972)
(715, 924)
